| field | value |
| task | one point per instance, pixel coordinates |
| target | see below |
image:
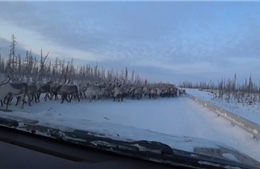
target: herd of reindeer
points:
(67, 90)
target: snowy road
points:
(174, 116)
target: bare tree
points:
(42, 64)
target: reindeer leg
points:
(81, 95)
(30, 98)
(10, 98)
(37, 97)
(23, 101)
(51, 96)
(78, 97)
(27, 97)
(69, 99)
(90, 98)
(47, 96)
(114, 98)
(30, 101)
(7, 105)
(18, 99)
(72, 97)
(7, 102)
(56, 96)
(62, 97)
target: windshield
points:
(183, 74)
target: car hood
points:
(133, 140)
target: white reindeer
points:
(92, 92)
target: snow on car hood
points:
(56, 128)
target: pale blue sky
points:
(163, 41)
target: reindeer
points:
(45, 88)
(136, 92)
(9, 90)
(3, 93)
(172, 92)
(118, 93)
(92, 92)
(153, 93)
(55, 91)
(182, 92)
(69, 91)
(32, 93)
(82, 90)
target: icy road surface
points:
(174, 116)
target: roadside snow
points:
(250, 112)
(167, 117)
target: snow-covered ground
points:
(250, 112)
(170, 116)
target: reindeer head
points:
(5, 82)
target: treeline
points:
(41, 68)
(229, 89)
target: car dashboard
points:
(24, 150)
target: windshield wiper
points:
(143, 149)
(154, 151)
